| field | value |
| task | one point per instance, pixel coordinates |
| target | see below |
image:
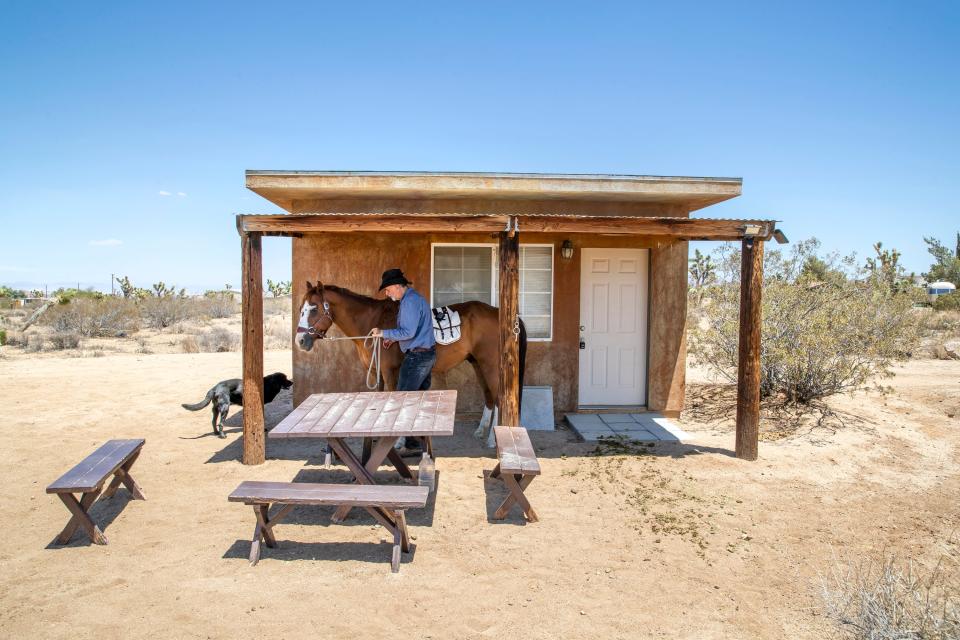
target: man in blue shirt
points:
(414, 332)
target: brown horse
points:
(356, 314)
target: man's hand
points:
(387, 343)
(376, 333)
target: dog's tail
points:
(201, 404)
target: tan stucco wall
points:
(356, 261)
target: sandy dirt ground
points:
(680, 541)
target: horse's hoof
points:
(222, 436)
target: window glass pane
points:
(537, 326)
(536, 281)
(477, 258)
(461, 274)
(536, 287)
(447, 258)
(536, 304)
(535, 258)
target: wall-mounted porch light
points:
(566, 250)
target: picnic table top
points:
(371, 414)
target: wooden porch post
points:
(509, 400)
(748, 371)
(254, 447)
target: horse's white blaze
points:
(305, 312)
(304, 320)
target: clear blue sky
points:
(843, 119)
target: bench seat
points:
(386, 503)
(517, 465)
(115, 458)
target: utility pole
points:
(111, 285)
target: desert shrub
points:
(218, 340)
(949, 302)
(159, 312)
(64, 340)
(220, 304)
(3, 337)
(143, 346)
(277, 333)
(33, 342)
(893, 600)
(818, 337)
(93, 317)
(189, 345)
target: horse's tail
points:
(522, 363)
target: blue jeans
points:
(415, 370)
(415, 376)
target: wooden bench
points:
(517, 467)
(87, 478)
(386, 503)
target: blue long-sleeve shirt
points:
(414, 323)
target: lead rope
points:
(375, 344)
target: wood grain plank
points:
(408, 413)
(359, 495)
(293, 418)
(376, 401)
(347, 421)
(322, 424)
(388, 414)
(92, 471)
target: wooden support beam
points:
(675, 228)
(369, 223)
(748, 371)
(509, 398)
(254, 447)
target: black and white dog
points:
(230, 392)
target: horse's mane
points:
(347, 293)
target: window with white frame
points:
(463, 272)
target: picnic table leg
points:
(81, 518)
(360, 473)
(399, 464)
(367, 451)
(123, 475)
(496, 471)
(516, 495)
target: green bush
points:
(818, 337)
(3, 337)
(949, 302)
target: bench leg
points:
(264, 529)
(516, 483)
(496, 471)
(401, 541)
(123, 475)
(81, 518)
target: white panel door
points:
(613, 319)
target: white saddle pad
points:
(446, 325)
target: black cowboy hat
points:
(392, 276)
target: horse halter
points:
(312, 329)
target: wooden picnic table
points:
(380, 418)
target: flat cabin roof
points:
(284, 187)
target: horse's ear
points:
(309, 286)
(319, 285)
